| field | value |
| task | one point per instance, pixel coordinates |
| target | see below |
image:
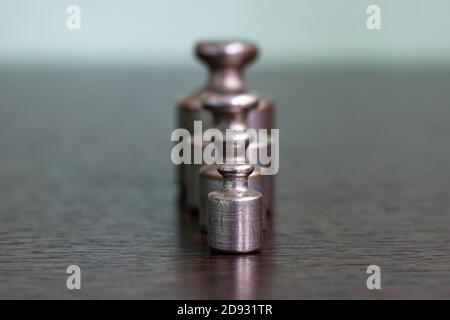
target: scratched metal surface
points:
(86, 179)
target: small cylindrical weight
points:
(210, 180)
(235, 212)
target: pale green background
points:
(161, 33)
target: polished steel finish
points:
(235, 212)
(226, 61)
(210, 180)
(229, 112)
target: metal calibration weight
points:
(229, 112)
(226, 61)
(235, 213)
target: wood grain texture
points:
(86, 179)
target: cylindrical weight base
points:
(235, 222)
(210, 180)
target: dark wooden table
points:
(86, 179)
